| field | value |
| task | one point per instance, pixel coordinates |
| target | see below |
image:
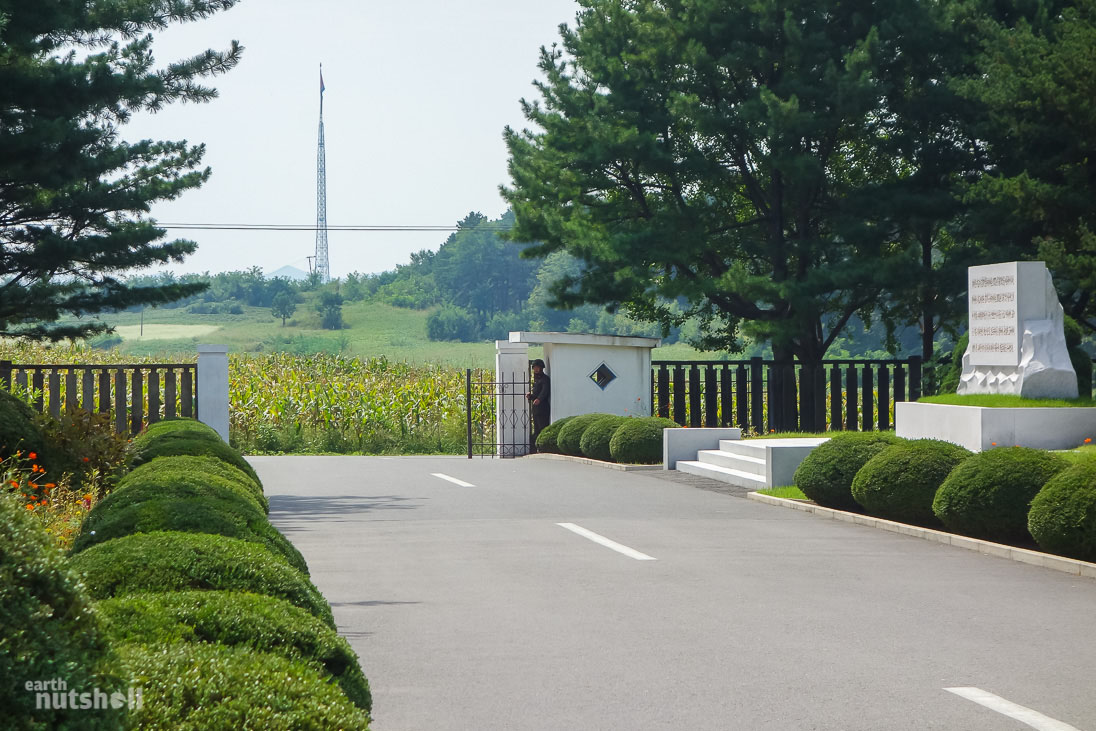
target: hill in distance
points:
(289, 272)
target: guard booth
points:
(590, 374)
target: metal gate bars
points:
(497, 414)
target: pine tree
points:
(724, 155)
(73, 194)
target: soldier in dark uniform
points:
(539, 396)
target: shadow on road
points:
(326, 506)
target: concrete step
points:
(748, 447)
(723, 474)
(742, 462)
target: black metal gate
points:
(486, 401)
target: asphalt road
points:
(472, 608)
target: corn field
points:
(319, 403)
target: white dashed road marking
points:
(454, 480)
(602, 540)
(1023, 714)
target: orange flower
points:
(85, 459)
(1088, 440)
(33, 484)
(49, 485)
(994, 443)
(14, 483)
(32, 455)
(30, 506)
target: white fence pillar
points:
(511, 407)
(213, 387)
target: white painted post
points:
(213, 387)
(511, 406)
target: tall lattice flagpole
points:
(323, 266)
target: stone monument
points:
(1017, 346)
(1016, 330)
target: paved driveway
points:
(663, 606)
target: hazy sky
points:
(418, 93)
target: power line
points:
(309, 227)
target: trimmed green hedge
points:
(224, 516)
(639, 440)
(1063, 515)
(569, 438)
(546, 440)
(196, 687)
(19, 431)
(826, 474)
(47, 629)
(258, 622)
(178, 427)
(595, 440)
(989, 494)
(900, 482)
(170, 561)
(187, 445)
(184, 476)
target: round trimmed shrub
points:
(47, 629)
(184, 475)
(826, 474)
(989, 494)
(20, 431)
(546, 440)
(257, 622)
(639, 440)
(1063, 515)
(170, 561)
(180, 428)
(194, 687)
(569, 438)
(900, 482)
(226, 516)
(192, 446)
(595, 440)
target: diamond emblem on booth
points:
(603, 376)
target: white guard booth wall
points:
(595, 373)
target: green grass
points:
(372, 330)
(1080, 454)
(790, 492)
(792, 435)
(1001, 401)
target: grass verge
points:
(791, 492)
(1002, 401)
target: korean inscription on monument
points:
(994, 315)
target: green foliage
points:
(143, 451)
(283, 306)
(47, 629)
(236, 618)
(594, 442)
(639, 440)
(1079, 358)
(178, 428)
(989, 494)
(1004, 400)
(569, 438)
(186, 476)
(224, 516)
(330, 308)
(748, 136)
(949, 382)
(450, 322)
(548, 439)
(76, 193)
(1062, 518)
(179, 561)
(195, 687)
(826, 474)
(85, 442)
(900, 482)
(19, 431)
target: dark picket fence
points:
(760, 395)
(135, 394)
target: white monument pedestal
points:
(980, 428)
